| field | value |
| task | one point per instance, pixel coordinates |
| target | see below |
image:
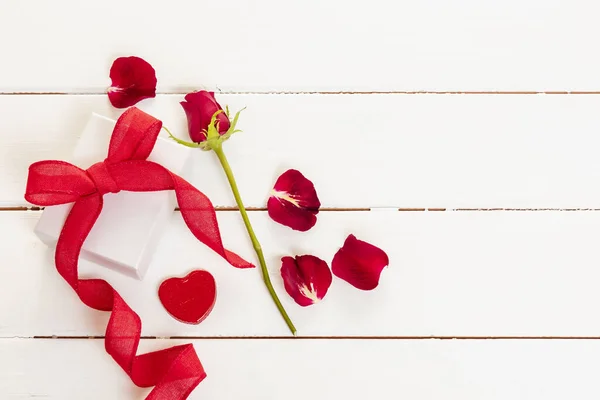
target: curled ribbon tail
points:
(183, 370)
(79, 223)
(162, 369)
(200, 217)
(174, 372)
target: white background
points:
(461, 137)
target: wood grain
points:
(451, 274)
(469, 129)
(362, 151)
(325, 369)
(314, 45)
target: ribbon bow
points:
(176, 371)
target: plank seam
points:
(377, 209)
(341, 92)
(326, 209)
(57, 337)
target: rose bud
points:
(133, 79)
(200, 107)
(359, 263)
(294, 201)
(306, 278)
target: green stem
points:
(216, 146)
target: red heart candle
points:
(189, 299)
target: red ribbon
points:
(176, 371)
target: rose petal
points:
(193, 117)
(133, 79)
(306, 278)
(359, 263)
(199, 108)
(294, 201)
(222, 118)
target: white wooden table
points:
(462, 137)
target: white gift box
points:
(130, 225)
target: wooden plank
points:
(451, 274)
(316, 45)
(329, 369)
(402, 151)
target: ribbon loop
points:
(134, 136)
(51, 183)
(103, 181)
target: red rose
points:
(200, 108)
